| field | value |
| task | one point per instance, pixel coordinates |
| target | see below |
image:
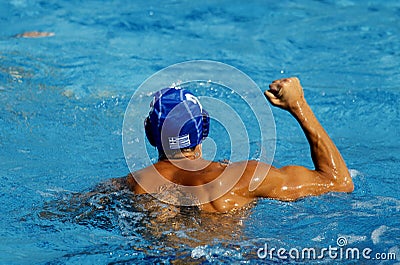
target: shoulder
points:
(136, 179)
(251, 172)
(241, 193)
(251, 167)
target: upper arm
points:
(293, 182)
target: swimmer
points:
(181, 162)
(34, 34)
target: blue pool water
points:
(62, 103)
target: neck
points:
(183, 154)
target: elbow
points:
(350, 186)
(346, 185)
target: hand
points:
(285, 93)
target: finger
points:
(274, 88)
(268, 94)
(271, 97)
(275, 102)
(295, 79)
(273, 85)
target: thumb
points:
(268, 94)
(271, 98)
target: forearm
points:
(326, 157)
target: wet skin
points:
(288, 183)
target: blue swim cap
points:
(176, 120)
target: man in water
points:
(181, 162)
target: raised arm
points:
(293, 182)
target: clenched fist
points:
(285, 93)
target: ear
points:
(149, 132)
(206, 124)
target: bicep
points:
(293, 182)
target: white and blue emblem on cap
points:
(179, 142)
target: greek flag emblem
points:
(179, 142)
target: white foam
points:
(395, 250)
(376, 234)
(199, 251)
(353, 238)
(318, 238)
(45, 194)
(212, 253)
(354, 173)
